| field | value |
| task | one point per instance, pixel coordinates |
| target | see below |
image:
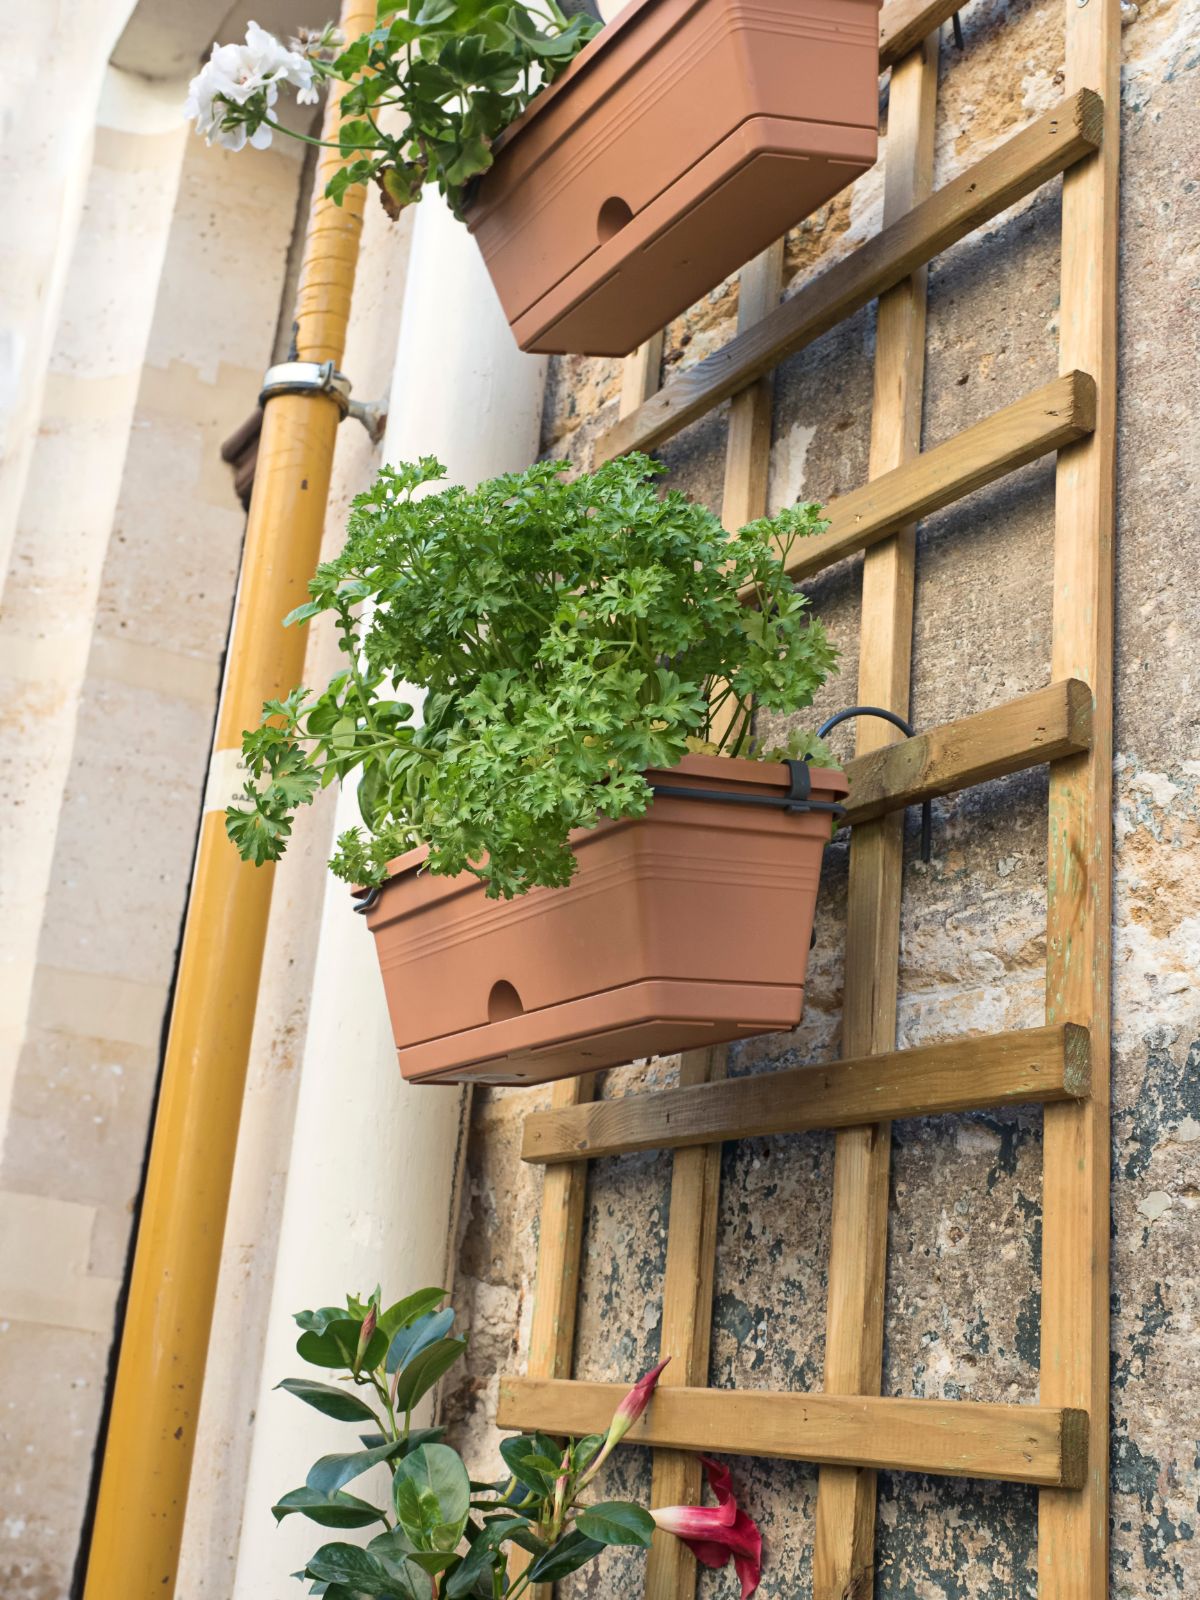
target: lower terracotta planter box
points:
(685, 927)
(685, 138)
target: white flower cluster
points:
(239, 85)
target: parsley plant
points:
(567, 635)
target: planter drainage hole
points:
(614, 214)
(504, 1002)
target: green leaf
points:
(337, 1403)
(330, 1510)
(409, 1309)
(520, 1455)
(424, 1370)
(335, 1346)
(366, 1572)
(303, 613)
(616, 1522)
(565, 1557)
(432, 1494)
(417, 1336)
(328, 1474)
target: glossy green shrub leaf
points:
(340, 1404)
(328, 1474)
(365, 1572)
(407, 1311)
(416, 1336)
(330, 1510)
(432, 1495)
(617, 1522)
(565, 1557)
(424, 1370)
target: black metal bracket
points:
(368, 900)
(798, 797)
(909, 731)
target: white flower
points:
(246, 78)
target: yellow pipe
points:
(156, 1401)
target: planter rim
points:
(730, 772)
(582, 62)
(631, 13)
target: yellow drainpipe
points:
(156, 1401)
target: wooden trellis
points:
(850, 1430)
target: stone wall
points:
(964, 1261)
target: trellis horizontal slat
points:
(1024, 1067)
(1048, 146)
(904, 23)
(1056, 414)
(956, 1438)
(1023, 732)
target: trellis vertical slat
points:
(686, 1325)
(560, 1245)
(696, 1173)
(556, 1290)
(1073, 1528)
(843, 1556)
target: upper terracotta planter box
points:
(687, 137)
(684, 927)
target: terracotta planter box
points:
(684, 927)
(685, 138)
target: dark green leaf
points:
(432, 1495)
(337, 1403)
(335, 1347)
(567, 1556)
(408, 1310)
(519, 1455)
(329, 1473)
(366, 1572)
(331, 1511)
(418, 1336)
(424, 1370)
(616, 1522)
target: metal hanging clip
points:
(322, 377)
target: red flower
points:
(713, 1535)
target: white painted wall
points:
(370, 1190)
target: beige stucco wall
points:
(116, 602)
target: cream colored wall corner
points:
(54, 66)
(371, 1168)
(209, 1554)
(116, 606)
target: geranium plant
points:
(430, 89)
(441, 1533)
(568, 635)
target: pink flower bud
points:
(365, 1334)
(716, 1534)
(634, 1403)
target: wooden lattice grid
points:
(1059, 1444)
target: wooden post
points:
(844, 1556)
(1073, 1528)
(564, 1192)
(696, 1173)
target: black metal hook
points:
(368, 900)
(908, 730)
